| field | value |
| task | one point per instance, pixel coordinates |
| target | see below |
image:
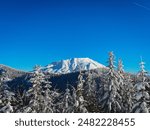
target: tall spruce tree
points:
(90, 91)
(40, 94)
(123, 86)
(67, 104)
(80, 101)
(110, 98)
(141, 95)
(6, 96)
(120, 73)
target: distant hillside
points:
(11, 72)
(61, 81)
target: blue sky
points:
(41, 31)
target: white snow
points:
(139, 86)
(72, 65)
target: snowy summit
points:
(72, 65)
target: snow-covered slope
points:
(11, 72)
(72, 65)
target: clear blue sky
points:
(41, 31)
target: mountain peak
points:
(72, 65)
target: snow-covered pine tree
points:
(90, 93)
(121, 76)
(74, 98)
(127, 98)
(21, 101)
(110, 97)
(80, 104)
(6, 101)
(89, 89)
(122, 90)
(67, 105)
(48, 97)
(34, 93)
(6, 96)
(40, 94)
(141, 95)
(126, 89)
(120, 72)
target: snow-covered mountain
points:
(72, 65)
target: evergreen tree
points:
(90, 93)
(6, 96)
(89, 89)
(141, 95)
(80, 103)
(75, 101)
(21, 101)
(48, 97)
(40, 94)
(67, 102)
(127, 97)
(126, 89)
(6, 101)
(120, 73)
(121, 87)
(110, 98)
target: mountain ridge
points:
(72, 65)
(59, 67)
(11, 72)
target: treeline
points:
(117, 92)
